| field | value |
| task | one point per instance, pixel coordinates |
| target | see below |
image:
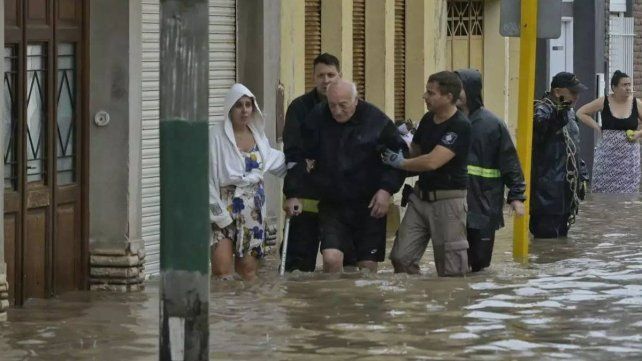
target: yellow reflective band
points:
(310, 205)
(484, 172)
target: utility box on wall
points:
(549, 18)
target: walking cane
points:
(284, 252)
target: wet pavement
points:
(579, 299)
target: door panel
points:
(34, 276)
(477, 53)
(460, 53)
(36, 135)
(67, 250)
(68, 13)
(12, 14)
(38, 12)
(67, 260)
(10, 237)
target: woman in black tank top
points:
(611, 122)
(616, 166)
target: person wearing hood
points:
(492, 165)
(240, 155)
(559, 176)
(302, 198)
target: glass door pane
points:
(10, 118)
(36, 112)
(65, 113)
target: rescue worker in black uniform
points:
(303, 242)
(492, 165)
(436, 209)
(342, 141)
(559, 176)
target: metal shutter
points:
(222, 43)
(400, 59)
(222, 54)
(150, 152)
(359, 46)
(312, 38)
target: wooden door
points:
(43, 134)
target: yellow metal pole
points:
(527, 49)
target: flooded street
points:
(578, 299)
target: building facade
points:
(637, 55)
(81, 134)
(81, 199)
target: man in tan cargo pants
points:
(437, 208)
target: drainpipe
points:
(185, 271)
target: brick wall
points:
(637, 54)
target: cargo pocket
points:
(456, 258)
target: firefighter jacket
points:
(347, 157)
(492, 161)
(556, 159)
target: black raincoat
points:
(492, 161)
(551, 192)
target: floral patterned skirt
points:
(616, 168)
(247, 231)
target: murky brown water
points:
(579, 298)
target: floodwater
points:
(578, 299)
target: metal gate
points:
(465, 41)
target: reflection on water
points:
(578, 298)
(82, 326)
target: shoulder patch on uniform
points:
(449, 138)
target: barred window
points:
(465, 18)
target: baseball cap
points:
(567, 80)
